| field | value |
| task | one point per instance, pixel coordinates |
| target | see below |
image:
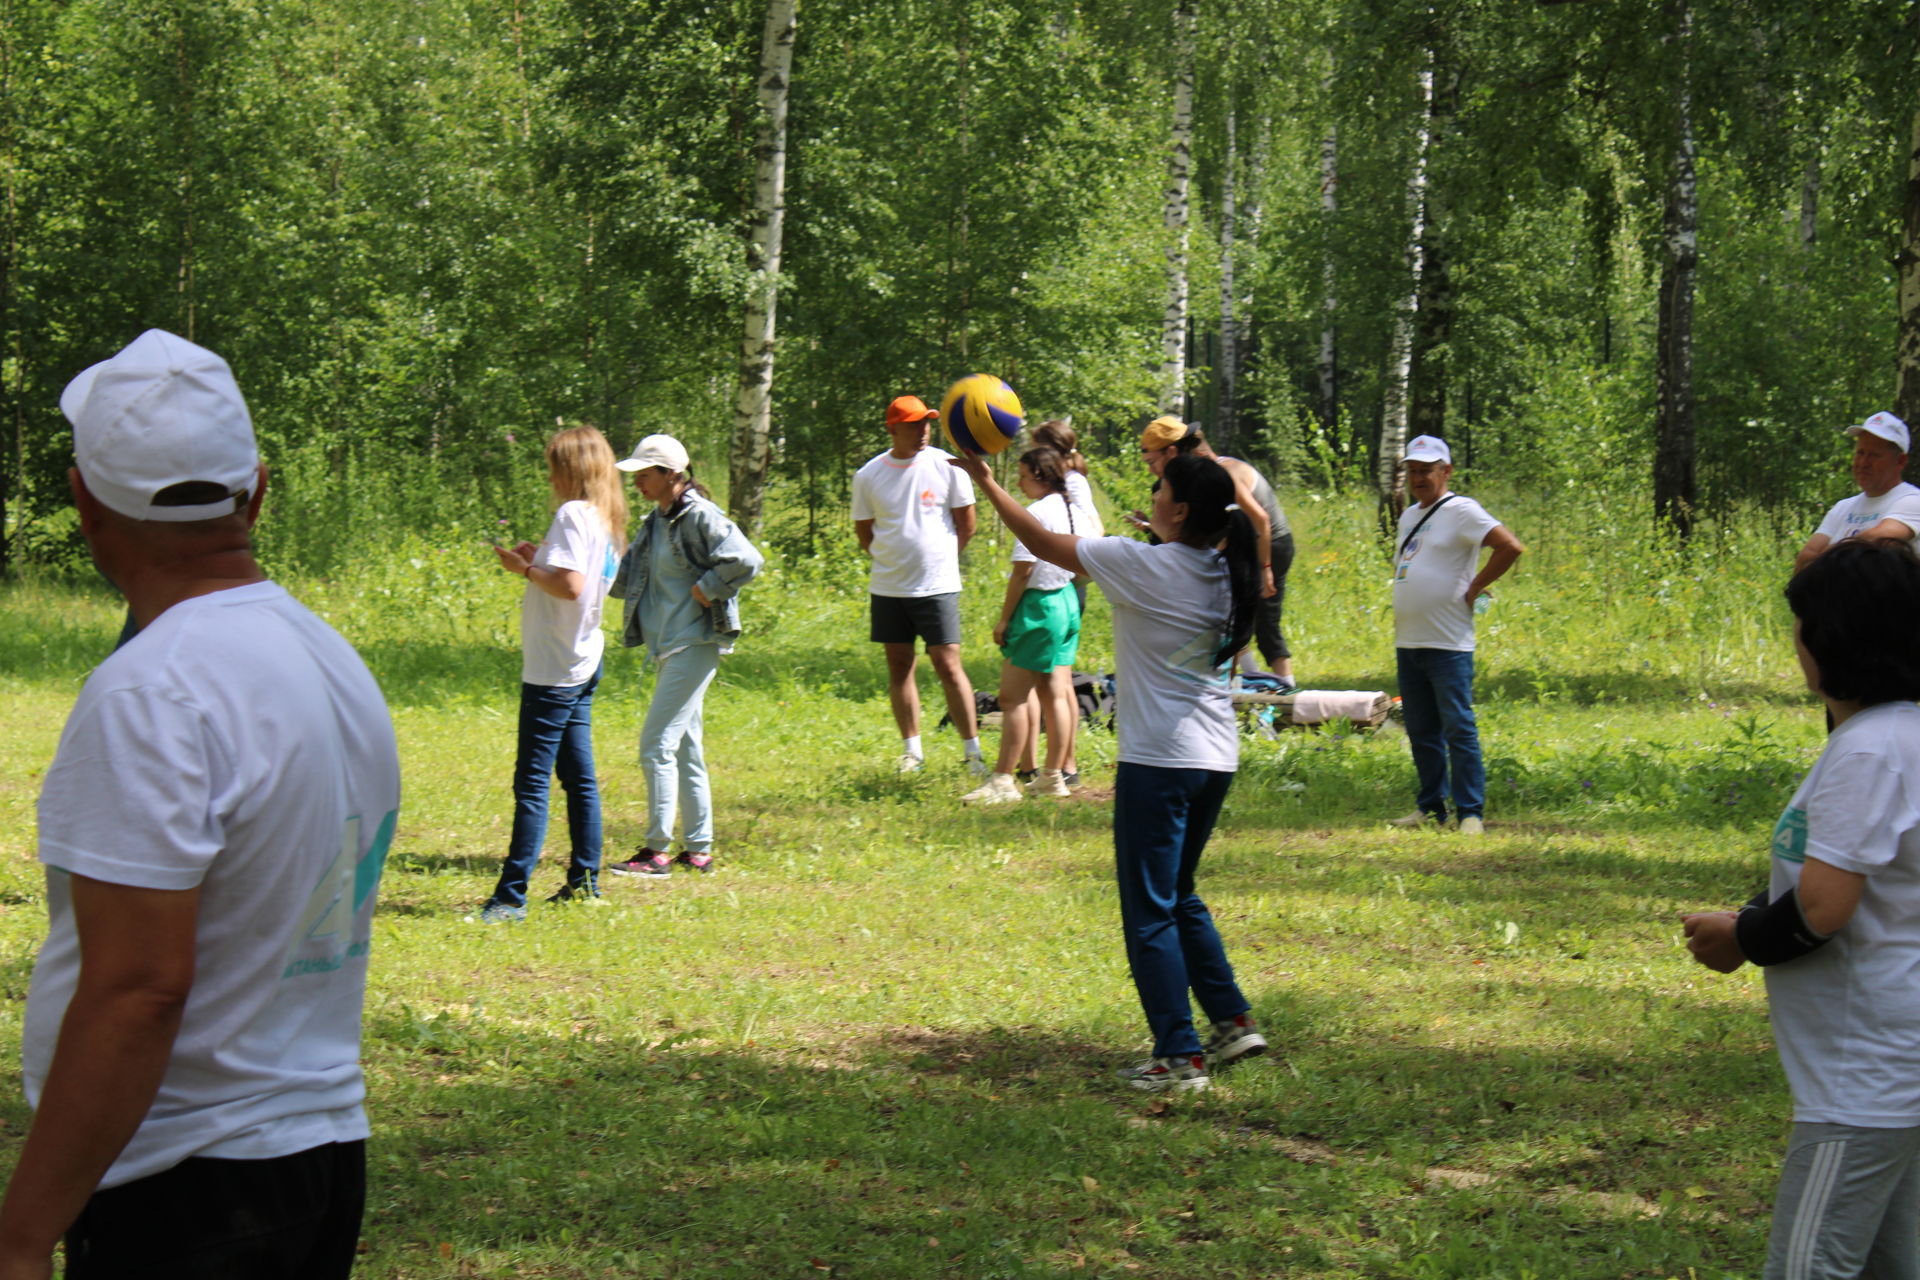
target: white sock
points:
(972, 749)
(913, 747)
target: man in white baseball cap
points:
(213, 826)
(1435, 585)
(1886, 508)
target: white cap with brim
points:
(657, 451)
(161, 413)
(1887, 427)
(1428, 449)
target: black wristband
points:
(1776, 932)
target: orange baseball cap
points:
(909, 409)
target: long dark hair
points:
(1859, 607)
(1050, 469)
(1215, 520)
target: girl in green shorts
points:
(1039, 637)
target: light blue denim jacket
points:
(710, 546)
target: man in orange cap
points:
(912, 514)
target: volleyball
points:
(981, 414)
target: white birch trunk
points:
(1226, 414)
(1907, 357)
(1389, 470)
(1173, 323)
(753, 406)
(1329, 279)
(1674, 489)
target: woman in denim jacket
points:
(679, 581)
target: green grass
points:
(879, 1042)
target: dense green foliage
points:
(425, 232)
(877, 1042)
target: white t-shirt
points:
(238, 744)
(1086, 516)
(1856, 515)
(916, 551)
(1171, 609)
(1846, 1018)
(560, 640)
(1431, 574)
(1051, 512)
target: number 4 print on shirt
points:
(319, 943)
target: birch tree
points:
(1389, 473)
(1674, 486)
(753, 405)
(1226, 415)
(1907, 357)
(1173, 322)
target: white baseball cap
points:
(657, 451)
(1428, 449)
(162, 412)
(1887, 427)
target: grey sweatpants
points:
(1848, 1206)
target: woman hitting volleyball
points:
(567, 578)
(1181, 610)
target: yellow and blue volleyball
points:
(981, 414)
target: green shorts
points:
(1045, 631)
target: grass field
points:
(878, 1042)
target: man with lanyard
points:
(913, 515)
(213, 827)
(1434, 589)
(1886, 507)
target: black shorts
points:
(293, 1217)
(904, 619)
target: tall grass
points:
(878, 1042)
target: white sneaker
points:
(1415, 819)
(1049, 782)
(908, 763)
(1157, 1075)
(1472, 827)
(977, 767)
(999, 788)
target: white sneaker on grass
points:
(999, 788)
(1178, 1074)
(1049, 782)
(1472, 826)
(908, 763)
(1233, 1039)
(1418, 818)
(977, 767)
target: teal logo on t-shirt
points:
(1790, 836)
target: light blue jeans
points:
(671, 751)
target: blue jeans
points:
(1436, 694)
(671, 751)
(1161, 821)
(556, 737)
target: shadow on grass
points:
(1012, 1151)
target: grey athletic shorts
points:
(1849, 1205)
(904, 619)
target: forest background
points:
(1646, 252)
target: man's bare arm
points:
(965, 521)
(1504, 549)
(136, 971)
(1817, 544)
(863, 534)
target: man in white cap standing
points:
(213, 826)
(1435, 585)
(1886, 508)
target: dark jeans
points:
(556, 737)
(1161, 821)
(1267, 636)
(1436, 693)
(293, 1217)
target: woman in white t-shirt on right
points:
(560, 643)
(1181, 610)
